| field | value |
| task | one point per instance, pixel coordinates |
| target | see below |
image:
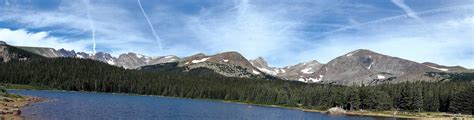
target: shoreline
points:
(380, 114)
(10, 106)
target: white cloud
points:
(22, 37)
(115, 27)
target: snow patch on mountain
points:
(349, 54)
(307, 70)
(282, 70)
(319, 79)
(442, 69)
(171, 60)
(255, 72)
(201, 60)
(279, 70)
(370, 66)
(380, 77)
(111, 62)
(267, 71)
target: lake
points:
(92, 106)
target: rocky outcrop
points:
(336, 111)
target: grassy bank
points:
(24, 87)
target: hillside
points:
(89, 75)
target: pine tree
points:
(463, 102)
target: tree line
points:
(89, 75)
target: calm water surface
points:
(93, 106)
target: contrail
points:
(151, 26)
(433, 11)
(91, 25)
(407, 9)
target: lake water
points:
(94, 106)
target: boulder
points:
(16, 111)
(336, 111)
(2, 112)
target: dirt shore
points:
(10, 107)
(405, 115)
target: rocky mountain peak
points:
(67, 53)
(260, 59)
(302, 71)
(197, 55)
(368, 67)
(259, 62)
(231, 64)
(232, 58)
(361, 52)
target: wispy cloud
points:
(244, 29)
(398, 17)
(284, 32)
(407, 9)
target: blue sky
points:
(282, 31)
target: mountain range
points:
(355, 68)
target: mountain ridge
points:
(361, 66)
